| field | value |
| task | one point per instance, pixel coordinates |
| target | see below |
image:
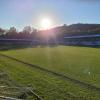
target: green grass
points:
(48, 86)
(75, 62)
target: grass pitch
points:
(81, 63)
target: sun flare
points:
(46, 23)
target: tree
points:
(12, 33)
(2, 31)
(12, 30)
(27, 29)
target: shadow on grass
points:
(22, 46)
(88, 46)
(6, 47)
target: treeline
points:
(57, 32)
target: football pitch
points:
(53, 73)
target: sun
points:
(46, 23)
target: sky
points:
(20, 13)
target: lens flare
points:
(46, 23)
